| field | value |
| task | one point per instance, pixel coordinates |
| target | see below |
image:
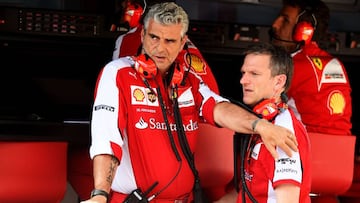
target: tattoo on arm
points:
(113, 165)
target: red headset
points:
(268, 108)
(304, 29)
(147, 68)
(303, 32)
(132, 14)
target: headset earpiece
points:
(145, 66)
(267, 108)
(132, 14)
(303, 32)
(304, 28)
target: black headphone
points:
(305, 26)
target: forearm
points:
(104, 171)
(231, 116)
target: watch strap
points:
(96, 192)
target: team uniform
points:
(263, 174)
(129, 44)
(127, 121)
(320, 91)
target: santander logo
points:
(153, 124)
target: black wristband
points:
(254, 123)
(96, 192)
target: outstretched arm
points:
(240, 120)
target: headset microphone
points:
(273, 36)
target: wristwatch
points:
(96, 192)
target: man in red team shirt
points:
(320, 89)
(130, 43)
(265, 77)
(127, 44)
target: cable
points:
(163, 110)
(197, 191)
(167, 185)
(245, 140)
(186, 47)
(145, 5)
(172, 141)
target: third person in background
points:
(320, 90)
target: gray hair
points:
(167, 13)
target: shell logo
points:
(336, 103)
(196, 63)
(138, 94)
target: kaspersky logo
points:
(153, 124)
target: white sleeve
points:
(104, 118)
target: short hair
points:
(310, 8)
(280, 61)
(168, 13)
